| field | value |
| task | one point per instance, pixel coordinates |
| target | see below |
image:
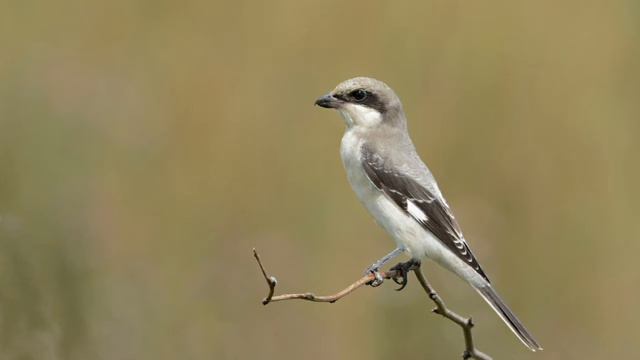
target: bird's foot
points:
(403, 269)
(377, 278)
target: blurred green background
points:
(147, 146)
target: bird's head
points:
(364, 102)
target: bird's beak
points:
(328, 101)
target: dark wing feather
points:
(403, 189)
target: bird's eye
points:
(359, 95)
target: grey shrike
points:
(399, 191)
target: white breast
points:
(405, 230)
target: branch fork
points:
(466, 324)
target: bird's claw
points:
(377, 278)
(401, 277)
(402, 270)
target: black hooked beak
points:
(328, 101)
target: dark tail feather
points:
(492, 298)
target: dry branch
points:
(470, 352)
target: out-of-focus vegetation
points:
(147, 146)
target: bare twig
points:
(272, 282)
(466, 324)
(471, 352)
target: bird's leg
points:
(403, 268)
(373, 269)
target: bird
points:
(396, 187)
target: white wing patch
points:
(416, 212)
(457, 238)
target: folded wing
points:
(421, 204)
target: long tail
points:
(496, 303)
